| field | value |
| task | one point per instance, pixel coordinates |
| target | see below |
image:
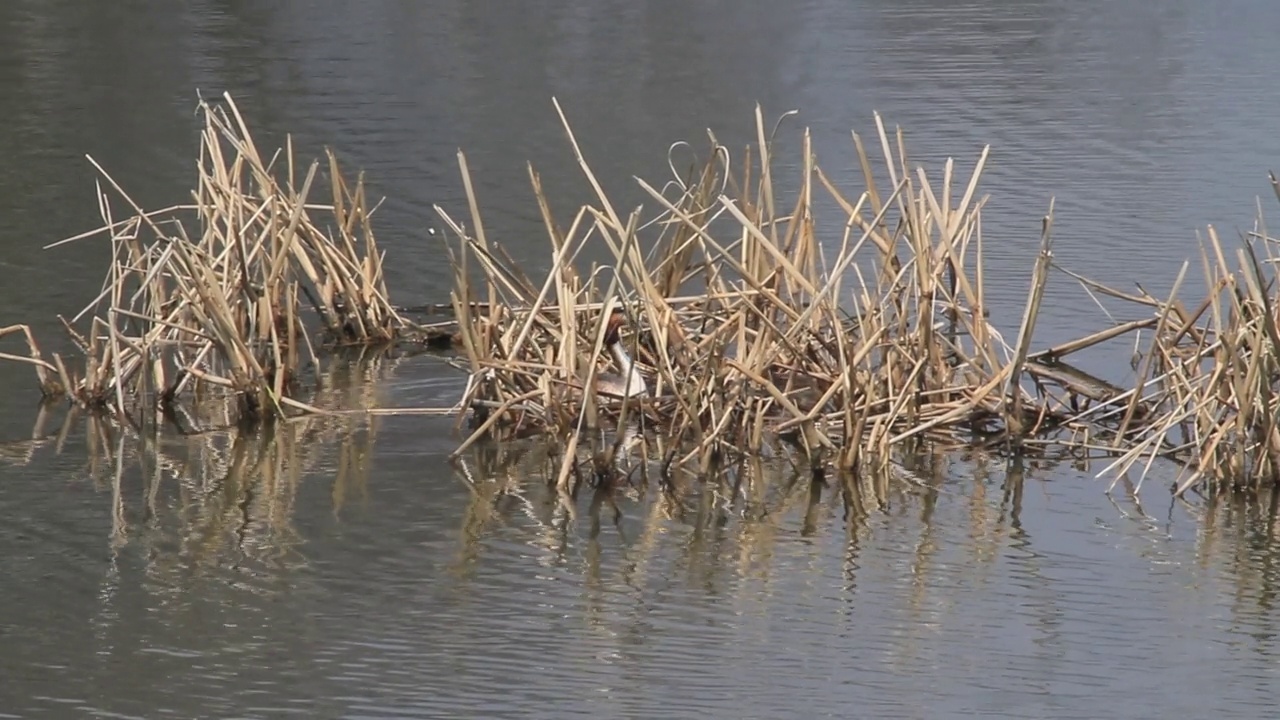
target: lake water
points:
(342, 569)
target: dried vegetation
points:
(220, 299)
(759, 328)
(756, 336)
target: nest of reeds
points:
(224, 299)
(752, 335)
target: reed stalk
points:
(202, 302)
(753, 337)
(759, 324)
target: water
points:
(338, 570)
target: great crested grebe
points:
(629, 383)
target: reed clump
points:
(226, 299)
(756, 326)
(752, 335)
(1205, 392)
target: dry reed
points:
(216, 299)
(753, 337)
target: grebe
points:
(630, 383)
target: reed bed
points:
(841, 328)
(754, 336)
(229, 297)
(1205, 392)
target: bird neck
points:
(630, 375)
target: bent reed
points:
(218, 300)
(755, 337)
(751, 336)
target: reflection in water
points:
(946, 538)
(1243, 531)
(220, 541)
(218, 498)
(730, 528)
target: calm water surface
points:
(341, 569)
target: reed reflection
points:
(750, 527)
(1239, 537)
(220, 505)
(196, 500)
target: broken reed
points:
(1206, 391)
(750, 332)
(753, 334)
(216, 299)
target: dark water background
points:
(343, 570)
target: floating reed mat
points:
(747, 333)
(228, 297)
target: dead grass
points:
(219, 299)
(758, 326)
(751, 334)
